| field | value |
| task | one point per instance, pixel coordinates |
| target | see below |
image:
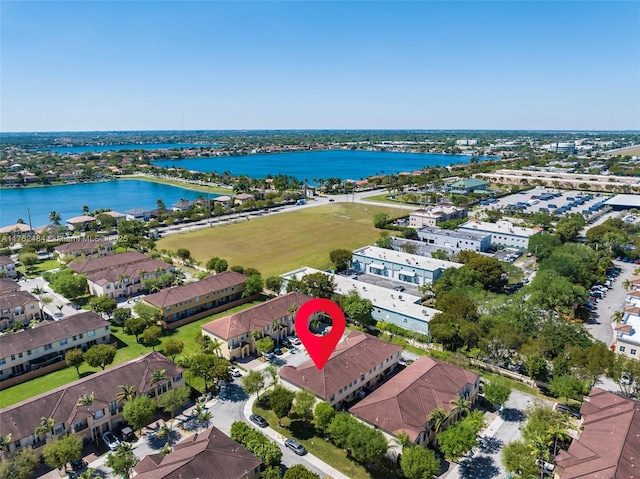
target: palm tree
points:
(5, 442)
(438, 417)
(46, 425)
(460, 404)
(86, 400)
(626, 284)
(539, 446)
(557, 432)
(272, 372)
(617, 316)
(88, 474)
(215, 346)
(165, 431)
(126, 393)
(55, 218)
(158, 376)
(85, 210)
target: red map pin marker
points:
(320, 347)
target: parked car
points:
(286, 343)
(78, 465)
(277, 351)
(258, 420)
(235, 372)
(295, 446)
(565, 409)
(110, 440)
(399, 288)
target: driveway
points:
(502, 429)
(59, 303)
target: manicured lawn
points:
(128, 349)
(39, 268)
(180, 184)
(316, 445)
(282, 242)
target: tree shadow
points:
(490, 445)
(478, 466)
(302, 430)
(233, 393)
(512, 415)
(158, 442)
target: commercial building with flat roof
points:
(455, 240)
(434, 215)
(398, 265)
(403, 310)
(503, 233)
(627, 336)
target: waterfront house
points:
(116, 215)
(34, 348)
(209, 454)
(17, 230)
(399, 308)
(237, 333)
(182, 205)
(7, 268)
(18, 306)
(193, 301)
(404, 403)
(141, 214)
(434, 215)
(359, 362)
(242, 198)
(224, 200)
(400, 266)
(86, 421)
(80, 223)
(608, 441)
(83, 249)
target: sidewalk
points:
(324, 467)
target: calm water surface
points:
(68, 200)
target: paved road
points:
(503, 428)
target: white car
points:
(110, 440)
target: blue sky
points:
(305, 65)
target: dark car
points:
(295, 446)
(277, 351)
(78, 464)
(285, 343)
(258, 420)
(564, 409)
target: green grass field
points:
(280, 243)
(128, 349)
(180, 184)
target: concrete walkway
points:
(279, 438)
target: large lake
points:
(142, 146)
(68, 200)
(344, 164)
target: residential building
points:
(434, 215)
(455, 240)
(116, 215)
(182, 205)
(609, 440)
(503, 233)
(8, 286)
(202, 298)
(405, 402)
(224, 200)
(7, 268)
(126, 280)
(209, 454)
(466, 186)
(94, 265)
(86, 422)
(80, 223)
(627, 334)
(140, 214)
(18, 306)
(16, 230)
(47, 343)
(398, 265)
(237, 333)
(402, 309)
(83, 249)
(359, 362)
(242, 198)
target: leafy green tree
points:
(210, 368)
(100, 355)
(151, 336)
(221, 266)
(455, 441)
(542, 245)
(591, 362)
(268, 451)
(497, 394)
(253, 285)
(69, 284)
(367, 445)
(323, 414)
(318, 285)
(281, 401)
(103, 304)
(440, 254)
(211, 263)
(253, 383)
(264, 345)
(380, 220)
(172, 347)
(150, 314)
(20, 466)
(184, 254)
(298, 471)
(303, 405)
(625, 371)
(174, 399)
(419, 463)
(272, 472)
(567, 387)
(59, 452)
(28, 260)
(274, 283)
(569, 227)
(340, 427)
(357, 308)
(139, 411)
(135, 326)
(341, 258)
(123, 460)
(536, 366)
(384, 241)
(74, 358)
(121, 316)
(517, 459)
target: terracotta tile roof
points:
(96, 264)
(50, 332)
(18, 227)
(81, 219)
(406, 400)
(185, 292)
(20, 420)
(206, 455)
(609, 445)
(16, 298)
(132, 271)
(255, 318)
(73, 246)
(355, 354)
(8, 285)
